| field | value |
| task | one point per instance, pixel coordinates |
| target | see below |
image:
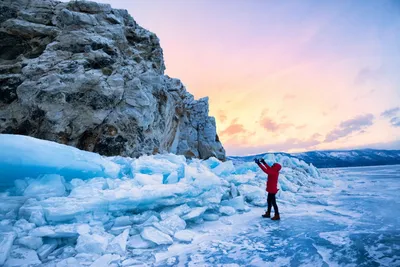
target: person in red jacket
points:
(272, 186)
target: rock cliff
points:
(86, 75)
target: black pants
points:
(272, 202)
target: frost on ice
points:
(72, 207)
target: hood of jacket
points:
(277, 167)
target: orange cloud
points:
(233, 129)
(273, 126)
(222, 116)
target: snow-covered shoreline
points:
(68, 215)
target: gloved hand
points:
(263, 161)
(257, 161)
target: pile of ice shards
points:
(65, 207)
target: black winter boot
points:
(267, 214)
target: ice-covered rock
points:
(118, 244)
(184, 236)
(31, 242)
(6, 242)
(106, 260)
(136, 241)
(156, 236)
(94, 79)
(91, 243)
(194, 213)
(22, 257)
(50, 185)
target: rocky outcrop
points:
(86, 75)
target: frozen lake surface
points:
(355, 223)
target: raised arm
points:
(262, 161)
(265, 169)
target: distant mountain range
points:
(340, 158)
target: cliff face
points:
(86, 75)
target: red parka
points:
(273, 174)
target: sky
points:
(286, 76)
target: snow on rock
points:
(6, 241)
(31, 242)
(137, 241)
(156, 236)
(91, 243)
(118, 244)
(22, 257)
(184, 236)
